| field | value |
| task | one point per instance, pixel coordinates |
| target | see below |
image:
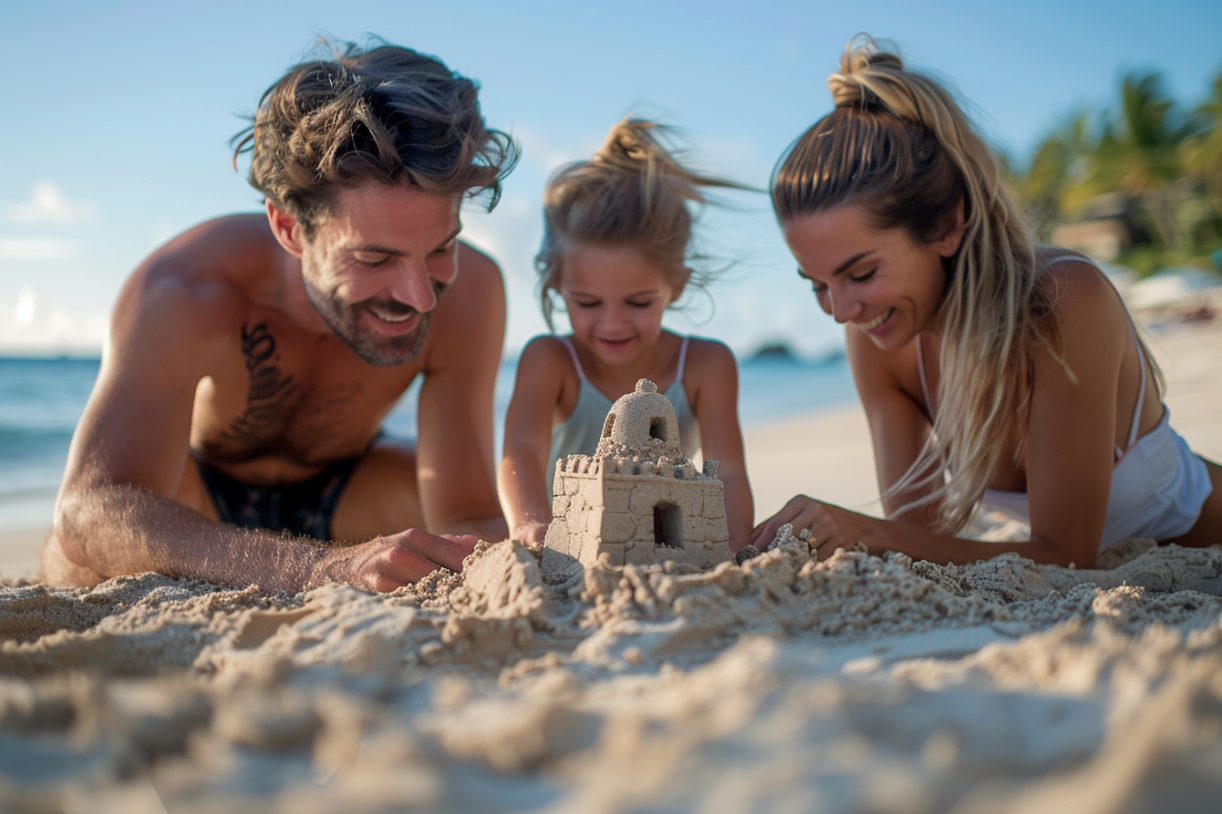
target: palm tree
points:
(1057, 171)
(1139, 154)
(1202, 151)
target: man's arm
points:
(116, 512)
(455, 437)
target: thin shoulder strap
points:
(1078, 257)
(682, 358)
(924, 383)
(1141, 357)
(581, 374)
(1141, 392)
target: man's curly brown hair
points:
(386, 114)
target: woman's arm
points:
(899, 426)
(713, 376)
(522, 474)
(1068, 456)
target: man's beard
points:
(383, 351)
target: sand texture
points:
(853, 684)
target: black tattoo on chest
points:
(269, 389)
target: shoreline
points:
(827, 452)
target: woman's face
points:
(615, 299)
(879, 281)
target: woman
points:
(993, 373)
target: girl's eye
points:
(863, 277)
(446, 249)
(636, 304)
(818, 288)
(593, 304)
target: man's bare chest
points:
(291, 400)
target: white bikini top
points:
(1158, 484)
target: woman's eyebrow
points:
(848, 263)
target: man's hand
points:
(386, 563)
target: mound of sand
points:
(855, 684)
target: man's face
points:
(377, 265)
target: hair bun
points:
(862, 58)
(626, 140)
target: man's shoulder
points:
(205, 275)
(470, 318)
(477, 294)
(479, 277)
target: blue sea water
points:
(41, 401)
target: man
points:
(252, 359)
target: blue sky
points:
(116, 118)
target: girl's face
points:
(879, 281)
(615, 299)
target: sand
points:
(857, 683)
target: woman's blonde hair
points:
(898, 145)
(633, 193)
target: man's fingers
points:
(448, 551)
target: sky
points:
(115, 120)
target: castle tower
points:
(637, 499)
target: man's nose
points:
(414, 287)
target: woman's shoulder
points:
(1076, 283)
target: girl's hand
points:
(831, 527)
(530, 532)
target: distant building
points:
(1106, 228)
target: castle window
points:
(657, 428)
(668, 525)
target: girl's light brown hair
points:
(386, 114)
(633, 193)
(898, 145)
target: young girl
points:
(992, 372)
(615, 248)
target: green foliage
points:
(1167, 167)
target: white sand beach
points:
(853, 684)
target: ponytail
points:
(898, 145)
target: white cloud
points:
(33, 323)
(36, 248)
(48, 204)
(26, 304)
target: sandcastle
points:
(637, 500)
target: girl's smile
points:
(615, 298)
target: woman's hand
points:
(831, 527)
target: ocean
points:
(41, 401)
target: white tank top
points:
(581, 431)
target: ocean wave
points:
(23, 443)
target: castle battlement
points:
(638, 499)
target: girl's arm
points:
(1068, 458)
(522, 474)
(713, 375)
